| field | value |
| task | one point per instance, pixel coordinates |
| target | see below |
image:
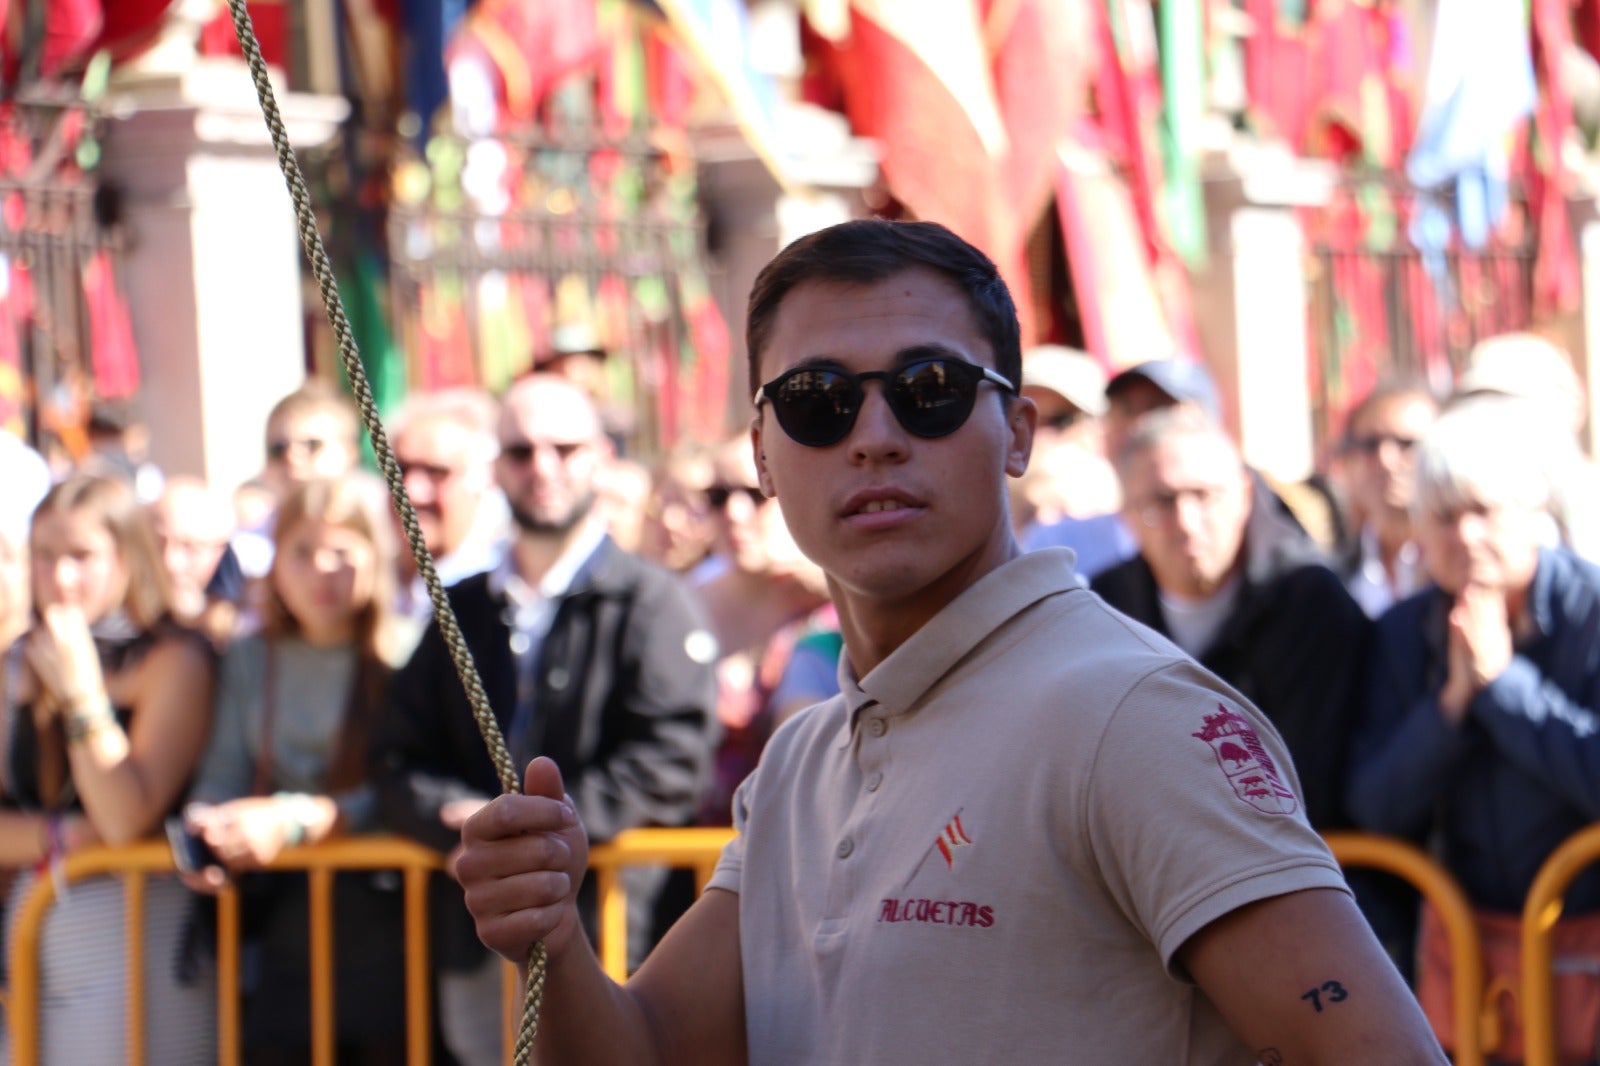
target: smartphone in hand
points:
(190, 853)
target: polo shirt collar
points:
(917, 665)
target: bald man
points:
(193, 524)
(589, 654)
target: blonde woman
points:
(285, 767)
(107, 708)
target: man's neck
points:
(1392, 531)
(874, 627)
(533, 554)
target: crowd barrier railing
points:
(1477, 1026)
(698, 849)
(133, 864)
(1540, 912)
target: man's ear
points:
(759, 450)
(1021, 422)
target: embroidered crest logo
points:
(1245, 762)
(953, 837)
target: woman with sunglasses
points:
(760, 602)
(1022, 815)
(106, 710)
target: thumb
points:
(542, 778)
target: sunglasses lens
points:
(817, 407)
(933, 398)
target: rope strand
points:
(349, 356)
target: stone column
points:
(212, 264)
(1250, 305)
(1585, 347)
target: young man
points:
(1026, 830)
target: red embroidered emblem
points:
(1246, 763)
(951, 838)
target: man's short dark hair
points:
(867, 251)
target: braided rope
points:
(333, 306)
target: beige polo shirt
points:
(989, 849)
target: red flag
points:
(916, 79)
(1358, 53)
(1277, 73)
(1557, 280)
(1039, 83)
(270, 21)
(16, 310)
(1125, 320)
(115, 357)
(70, 28)
(531, 47)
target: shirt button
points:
(846, 846)
(874, 781)
(877, 727)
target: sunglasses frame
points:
(966, 374)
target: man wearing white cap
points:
(1069, 497)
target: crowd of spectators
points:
(258, 667)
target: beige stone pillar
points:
(212, 264)
(1251, 303)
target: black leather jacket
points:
(625, 697)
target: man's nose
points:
(877, 432)
(419, 487)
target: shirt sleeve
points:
(1195, 809)
(730, 867)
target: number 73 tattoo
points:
(1327, 992)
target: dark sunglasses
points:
(431, 471)
(931, 398)
(1062, 421)
(1372, 445)
(521, 452)
(719, 495)
(279, 449)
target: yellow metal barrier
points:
(1540, 912)
(694, 848)
(134, 863)
(1477, 1026)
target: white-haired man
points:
(444, 443)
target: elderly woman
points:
(1480, 727)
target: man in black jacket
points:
(1235, 583)
(589, 655)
